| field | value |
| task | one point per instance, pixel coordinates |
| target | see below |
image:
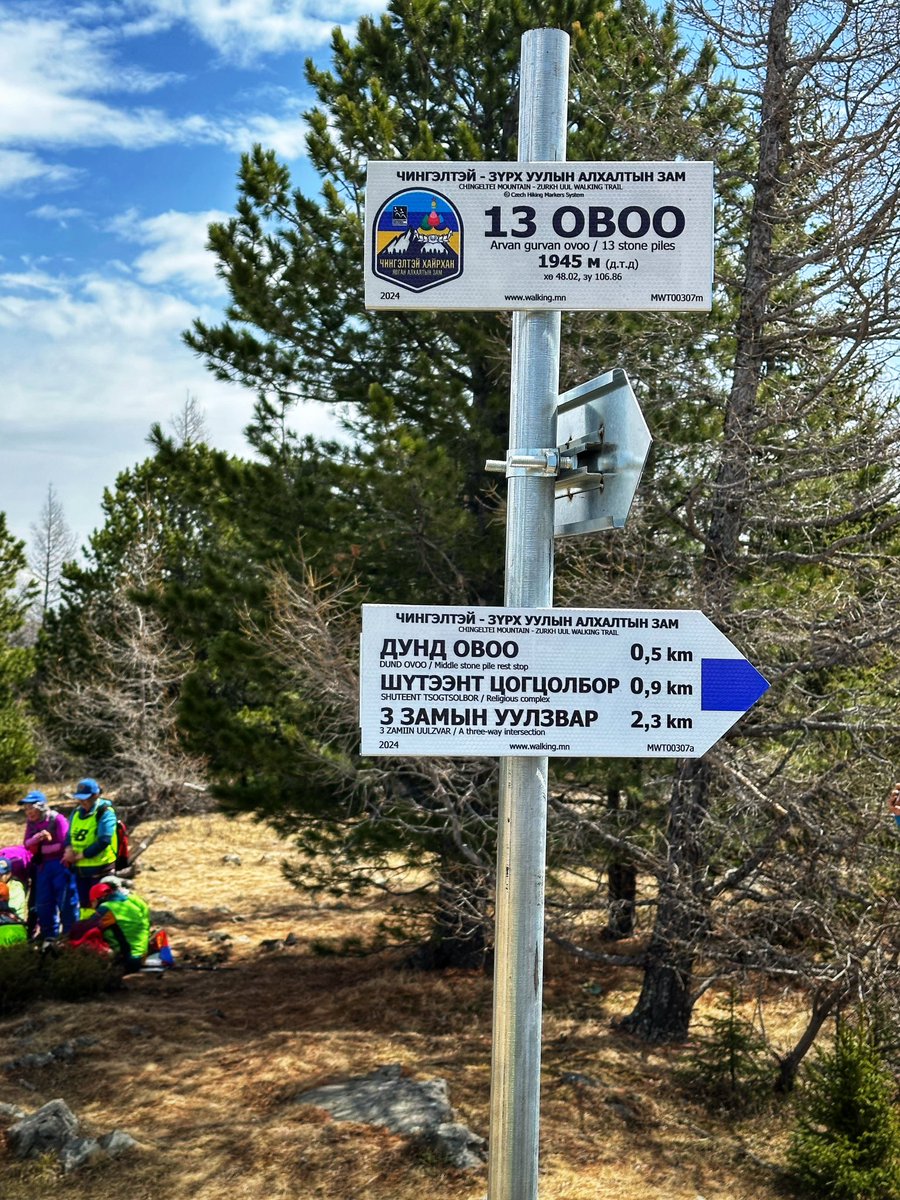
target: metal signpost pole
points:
(516, 1062)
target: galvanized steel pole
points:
(522, 832)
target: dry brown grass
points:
(202, 1066)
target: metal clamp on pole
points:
(538, 463)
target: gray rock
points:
(10, 1112)
(457, 1145)
(418, 1108)
(386, 1097)
(79, 1152)
(64, 1052)
(162, 916)
(53, 1129)
(48, 1129)
(117, 1143)
(30, 1062)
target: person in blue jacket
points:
(90, 844)
(894, 802)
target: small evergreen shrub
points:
(730, 1066)
(846, 1144)
(66, 973)
(76, 974)
(20, 982)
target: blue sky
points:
(121, 127)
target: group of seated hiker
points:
(61, 883)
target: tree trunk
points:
(458, 936)
(664, 1007)
(621, 879)
(663, 1010)
(824, 1003)
(621, 885)
(733, 478)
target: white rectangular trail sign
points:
(539, 236)
(628, 683)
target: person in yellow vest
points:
(12, 926)
(90, 847)
(120, 918)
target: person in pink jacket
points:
(56, 894)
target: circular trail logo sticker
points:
(418, 240)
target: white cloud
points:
(53, 212)
(49, 73)
(176, 251)
(53, 71)
(88, 325)
(92, 358)
(89, 365)
(285, 135)
(240, 30)
(21, 169)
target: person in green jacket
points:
(120, 921)
(12, 927)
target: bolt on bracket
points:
(539, 463)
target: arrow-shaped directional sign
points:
(601, 424)
(626, 683)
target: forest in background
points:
(206, 641)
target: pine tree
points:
(846, 1144)
(729, 1064)
(434, 80)
(17, 749)
(109, 665)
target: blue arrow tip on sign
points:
(729, 684)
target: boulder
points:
(420, 1109)
(79, 1152)
(53, 1129)
(386, 1097)
(46, 1131)
(457, 1145)
(117, 1142)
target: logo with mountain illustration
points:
(418, 240)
